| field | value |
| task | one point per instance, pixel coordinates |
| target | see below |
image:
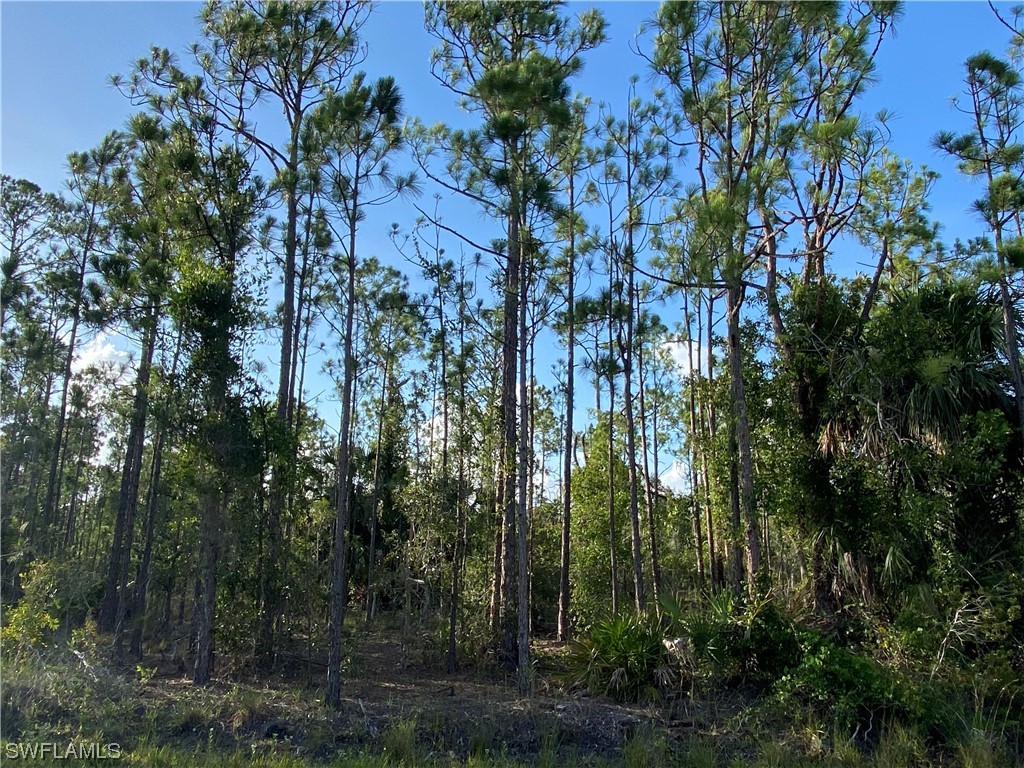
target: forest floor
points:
(399, 707)
(399, 697)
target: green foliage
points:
(985, 497)
(713, 633)
(901, 747)
(26, 627)
(56, 593)
(980, 748)
(399, 743)
(65, 692)
(647, 748)
(850, 688)
(771, 644)
(591, 560)
(885, 452)
(717, 638)
(700, 753)
(623, 658)
(1012, 251)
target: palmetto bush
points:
(623, 658)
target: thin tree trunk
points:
(698, 538)
(508, 653)
(741, 431)
(1012, 345)
(497, 517)
(708, 425)
(460, 512)
(876, 279)
(114, 598)
(522, 609)
(444, 487)
(634, 480)
(53, 482)
(70, 524)
(339, 575)
(564, 586)
(205, 609)
(531, 503)
(375, 498)
(142, 581)
(611, 453)
(53, 485)
(650, 482)
(269, 588)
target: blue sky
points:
(57, 58)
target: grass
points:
(399, 743)
(700, 753)
(645, 749)
(71, 695)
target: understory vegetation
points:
(752, 691)
(284, 486)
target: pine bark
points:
(206, 599)
(339, 574)
(741, 431)
(564, 586)
(114, 598)
(508, 652)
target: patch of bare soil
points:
(466, 713)
(388, 683)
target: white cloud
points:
(100, 366)
(98, 353)
(680, 352)
(676, 477)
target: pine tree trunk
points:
(375, 498)
(709, 428)
(339, 575)
(270, 598)
(206, 602)
(114, 599)
(611, 457)
(650, 481)
(54, 479)
(508, 653)
(71, 522)
(523, 579)
(53, 485)
(698, 538)
(497, 518)
(1012, 346)
(741, 431)
(458, 559)
(634, 480)
(564, 586)
(142, 582)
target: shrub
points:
(771, 644)
(28, 625)
(853, 690)
(623, 658)
(710, 629)
(57, 595)
(759, 641)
